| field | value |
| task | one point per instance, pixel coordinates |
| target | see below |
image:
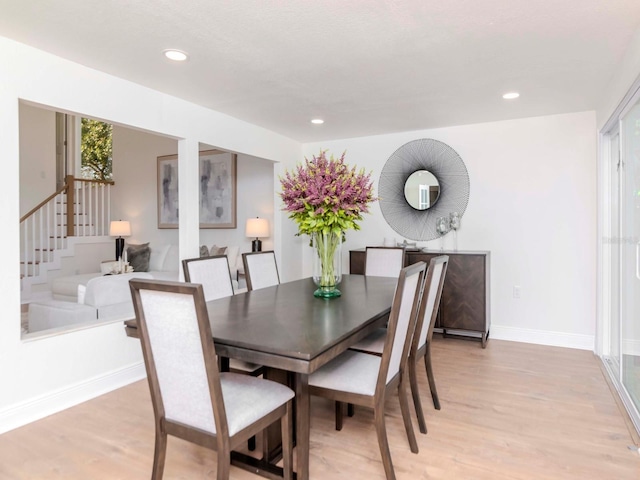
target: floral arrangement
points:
(325, 198)
(324, 195)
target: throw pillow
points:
(216, 250)
(138, 257)
(204, 251)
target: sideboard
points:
(464, 306)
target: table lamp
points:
(119, 228)
(258, 228)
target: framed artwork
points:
(217, 192)
(168, 191)
(217, 189)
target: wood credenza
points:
(464, 306)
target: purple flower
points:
(325, 194)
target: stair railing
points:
(46, 227)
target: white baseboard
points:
(53, 402)
(543, 337)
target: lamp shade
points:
(257, 228)
(120, 228)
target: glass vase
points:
(327, 263)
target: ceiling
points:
(366, 67)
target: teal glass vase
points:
(327, 263)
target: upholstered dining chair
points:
(214, 275)
(367, 380)
(260, 269)
(191, 399)
(383, 261)
(212, 272)
(430, 296)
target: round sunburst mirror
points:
(422, 180)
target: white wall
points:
(532, 204)
(135, 164)
(44, 376)
(37, 156)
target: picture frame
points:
(218, 190)
(168, 191)
(217, 197)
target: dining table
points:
(292, 334)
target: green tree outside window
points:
(96, 149)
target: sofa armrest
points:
(110, 289)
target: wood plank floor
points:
(511, 411)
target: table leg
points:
(272, 446)
(303, 420)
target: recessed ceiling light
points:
(176, 55)
(317, 121)
(510, 95)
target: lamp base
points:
(119, 247)
(256, 245)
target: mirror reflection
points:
(422, 189)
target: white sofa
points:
(105, 298)
(163, 264)
(97, 296)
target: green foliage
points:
(96, 149)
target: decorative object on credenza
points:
(257, 228)
(325, 197)
(422, 180)
(454, 223)
(407, 246)
(443, 226)
(119, 229)
(217, 190)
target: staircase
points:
(80, 209)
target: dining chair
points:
(260, 269)
(191, 399)
(431, 293)
(367, 380)
(214, 276)
(383, 261)
(212, 272)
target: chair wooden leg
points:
(224, 463)
(381, 431)
(159, 455)
(415, 393)
(406, 415)
(350, 410)
(287, 442)
(430, 377)
(339, 415)
(251, 443)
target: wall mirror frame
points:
(451, 173)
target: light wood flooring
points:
(511, 411)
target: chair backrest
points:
(430, 300)
(179, 354)
(212, 272)
(402, 321)
(260, 269)
(383, 261)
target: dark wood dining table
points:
(292, 333)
